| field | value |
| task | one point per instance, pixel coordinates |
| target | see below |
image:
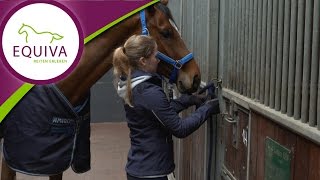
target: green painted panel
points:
(277, 161)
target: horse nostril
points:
(196, 82)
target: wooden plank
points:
(253, 147)
(265, 129)
(198, 145)
(230, 150)
(242, 148)
(186, 158)
(314, 162)
(302, 151)
(287, 139)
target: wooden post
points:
(6, 172)
(56, 177)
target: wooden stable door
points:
(236, 143)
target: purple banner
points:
(92, 15)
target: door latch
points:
(233, 119)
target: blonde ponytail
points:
(122, 68)
(126, 59)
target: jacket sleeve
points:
(156, 101)
(181, 103)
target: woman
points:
(151, 117)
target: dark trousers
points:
(135, 178)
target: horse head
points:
(22, 29)
(160, 25)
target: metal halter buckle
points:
(178, 65)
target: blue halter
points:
(177, 64)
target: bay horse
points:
(96, 59)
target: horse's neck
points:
(95, 61)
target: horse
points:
(31, 33)
(96, 59)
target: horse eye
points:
(166, 33)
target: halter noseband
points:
(177, 64)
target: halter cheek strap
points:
(177, 64)
(145, 30)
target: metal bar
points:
(241, 44)
(254, 45)
(292, 56)
(284, 84)
(306, 62)
(314, 66)
(245, 48)
(249, 50)
(318, 104)
(273, 52)
(238, 45)
(231, 60)
(210, 50)
(299, 60)
(258, 57)
(268, 54)
(263, 50)
(279, 54)
(316, 29)
(224, 23)
(235, 44)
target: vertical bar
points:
(263, 50)
(210, 50)
(234, 44)
(243, 48)
(268, 54)
(314, 65)
(307, 61)
(231, 64)
(233, 70)
(284, 82)
(299, 60)
(245, 56)
(224, 41)
(249, 47)
(240, 58)
(254, 45)
(279, 54)
(292, 56)
(241, 45)
(187, 23)
(234, 49)
(273, 52)
(238, 45)
(242, 52)
(259, 37)
(318, 104)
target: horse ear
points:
(151, 9)
(164, 2)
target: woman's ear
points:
(164, 2)
(143, 61)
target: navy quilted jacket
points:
(153, 120)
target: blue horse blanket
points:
(44, 134)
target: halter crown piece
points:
(177, 64)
